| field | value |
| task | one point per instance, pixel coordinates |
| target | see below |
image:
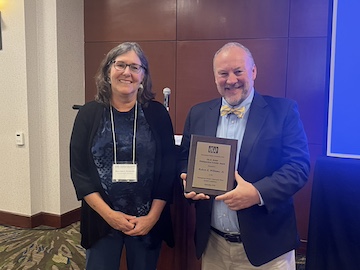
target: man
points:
(252, 226)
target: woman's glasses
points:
(121, 66)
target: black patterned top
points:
(128, 197)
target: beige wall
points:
(41, 77)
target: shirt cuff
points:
(261, 199)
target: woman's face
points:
(125, 80)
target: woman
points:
(122, 157)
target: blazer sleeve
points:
(202, 119)
(185, 145)
(287, 158)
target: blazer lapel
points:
(256, 120)
(212, 117)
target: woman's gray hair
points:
(102, 79)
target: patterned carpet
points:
(300, 262)
(42, 248)
(46, 248)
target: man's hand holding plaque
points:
(192, 194)
(244, 195)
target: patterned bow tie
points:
(239, 112)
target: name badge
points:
(124, 172)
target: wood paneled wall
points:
(289, 40)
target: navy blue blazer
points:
(274, 157)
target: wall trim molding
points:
(47, 219)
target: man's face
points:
(234, 73)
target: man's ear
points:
(254, 72)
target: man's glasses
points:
(121, 66)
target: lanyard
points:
(113, 132)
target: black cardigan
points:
(86, 179)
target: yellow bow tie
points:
(239, 112)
